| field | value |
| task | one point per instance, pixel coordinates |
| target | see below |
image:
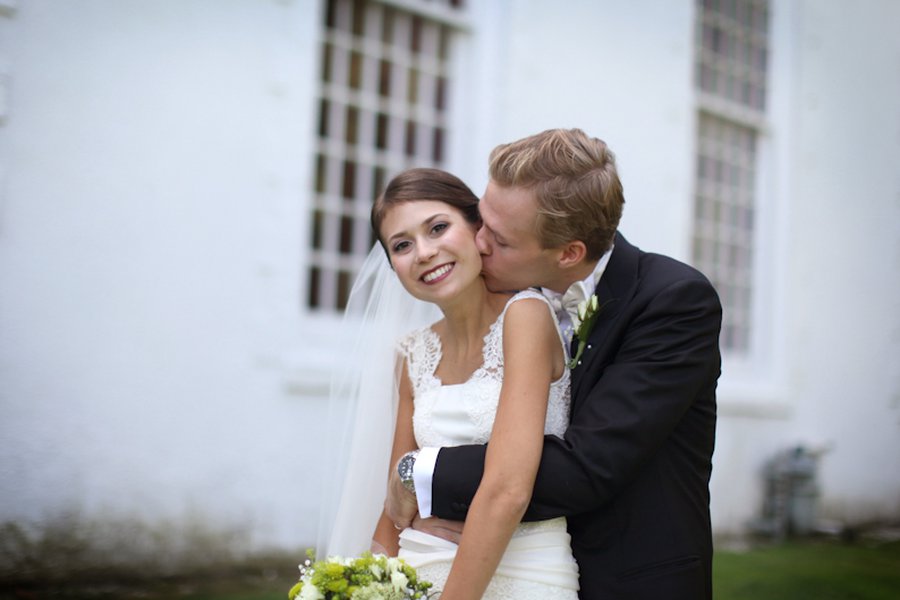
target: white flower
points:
(393, 564)
(586, 306)
(578, 290)
(582, 311)
(399, 580)
(310, 592)
(376, 571)
(584, 321)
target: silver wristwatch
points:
(405, 470)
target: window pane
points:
(732, 46)
(382, 108)
(723, 221)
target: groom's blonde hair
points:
(574, 180)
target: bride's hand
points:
(442, 528)
(376, 548)
(400, 505)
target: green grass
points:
(821, 570)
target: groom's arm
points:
(668, 357)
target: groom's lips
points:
(441, 271)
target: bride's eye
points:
(439, 228)
(399, 247)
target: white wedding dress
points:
(538, 563)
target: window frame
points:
(419, 121)
(755, 380)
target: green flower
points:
(378, 591)
(295, 591)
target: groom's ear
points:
(572, 254)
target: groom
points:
(632, 472)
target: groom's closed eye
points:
(489, 233)
(497, 239)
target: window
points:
(732, 47)
(383, 107)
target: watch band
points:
(405, 470)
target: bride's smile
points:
(437, 274)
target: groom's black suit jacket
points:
(632, 472)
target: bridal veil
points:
(363, 406)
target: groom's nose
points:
(481, 242)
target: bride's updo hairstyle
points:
(422, 184)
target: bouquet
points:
(369, 577)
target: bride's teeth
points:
(429, 277)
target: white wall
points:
(156, 361)
(150, 251)
(844, 252)
(823, 373)
(621, 72)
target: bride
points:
(491, 369)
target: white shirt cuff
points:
(423, 472)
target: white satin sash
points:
(543, 555)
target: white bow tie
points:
(567, 304)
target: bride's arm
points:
(386, 536)
(532, 356)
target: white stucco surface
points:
(157, 159)
(157, 361)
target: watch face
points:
(405, 470)
(406, 467)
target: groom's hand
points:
(442, 528)
(400, 505)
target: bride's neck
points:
(468, 317)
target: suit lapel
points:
(614, 291)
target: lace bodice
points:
(451, 415)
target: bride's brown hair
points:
(421, 184)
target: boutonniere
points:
(584, 324)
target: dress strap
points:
(534, 293)
(422, 351)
